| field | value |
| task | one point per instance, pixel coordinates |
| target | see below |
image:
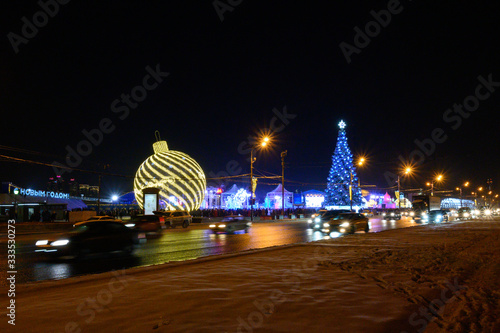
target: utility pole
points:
(99, 197)
(283, 154)
(252, 198)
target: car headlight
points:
(42, 242)
(326, 225)
(476, 212)
(309, 221)
(392, 214)
(130, 225)
(424, 215)
(60, 242)
(212, 226)
(487, 212)
(222, 225)
(383, 214)
(466, 214)
(345, 224)
(412, 214)
(317, 219)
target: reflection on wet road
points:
(175, 245)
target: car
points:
(317, 222)
(464, 213)
(319, 213)
(146, 223)
(434, 216)
(174, 218)
(90, 237)
(391, 214)
(366, 212)
(100, 218)
(346, 223)
(447, 214)
(230, 224)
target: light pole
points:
(283, 154)
(466, 184)
(407, 172)
(438, 178)
(253, 182)
(360, 163)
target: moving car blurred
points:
(230, 224)
(99, 236)
(317, 222)
(146, 223)
(391, 214)
(100, 218)
(346, 223)
(435, 216)
(173, 218)
(464, 213)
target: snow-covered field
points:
(437, 278)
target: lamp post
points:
(360, 163)
(283, 154)
(438, 178)
(407, 172)
(253, 182)
(466, 184)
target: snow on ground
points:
(438, 278)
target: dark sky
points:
(226, 77)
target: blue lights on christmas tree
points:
(339, 178)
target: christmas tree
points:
(342, 174)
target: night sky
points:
(226, 78)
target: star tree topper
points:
(342, 124)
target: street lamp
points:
(253, 182)
(431, 183)
(360, 163)
(283, 154)
(407, 172)
(466, 184)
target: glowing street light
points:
(438, 179)
(408, 171)
(253, 182)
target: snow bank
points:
(437, 278)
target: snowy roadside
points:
(438, 278)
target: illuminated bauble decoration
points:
(179, 178)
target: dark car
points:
(464, 213)
(146, 223)
(391, 214)
(230, 224)
(434, 216)
(346, 223)
(317, 221)
(93, 237)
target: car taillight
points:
(162, 219)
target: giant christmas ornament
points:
(179, 178)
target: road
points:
(171, 245)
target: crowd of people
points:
(274, 213)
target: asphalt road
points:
(171, 245)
